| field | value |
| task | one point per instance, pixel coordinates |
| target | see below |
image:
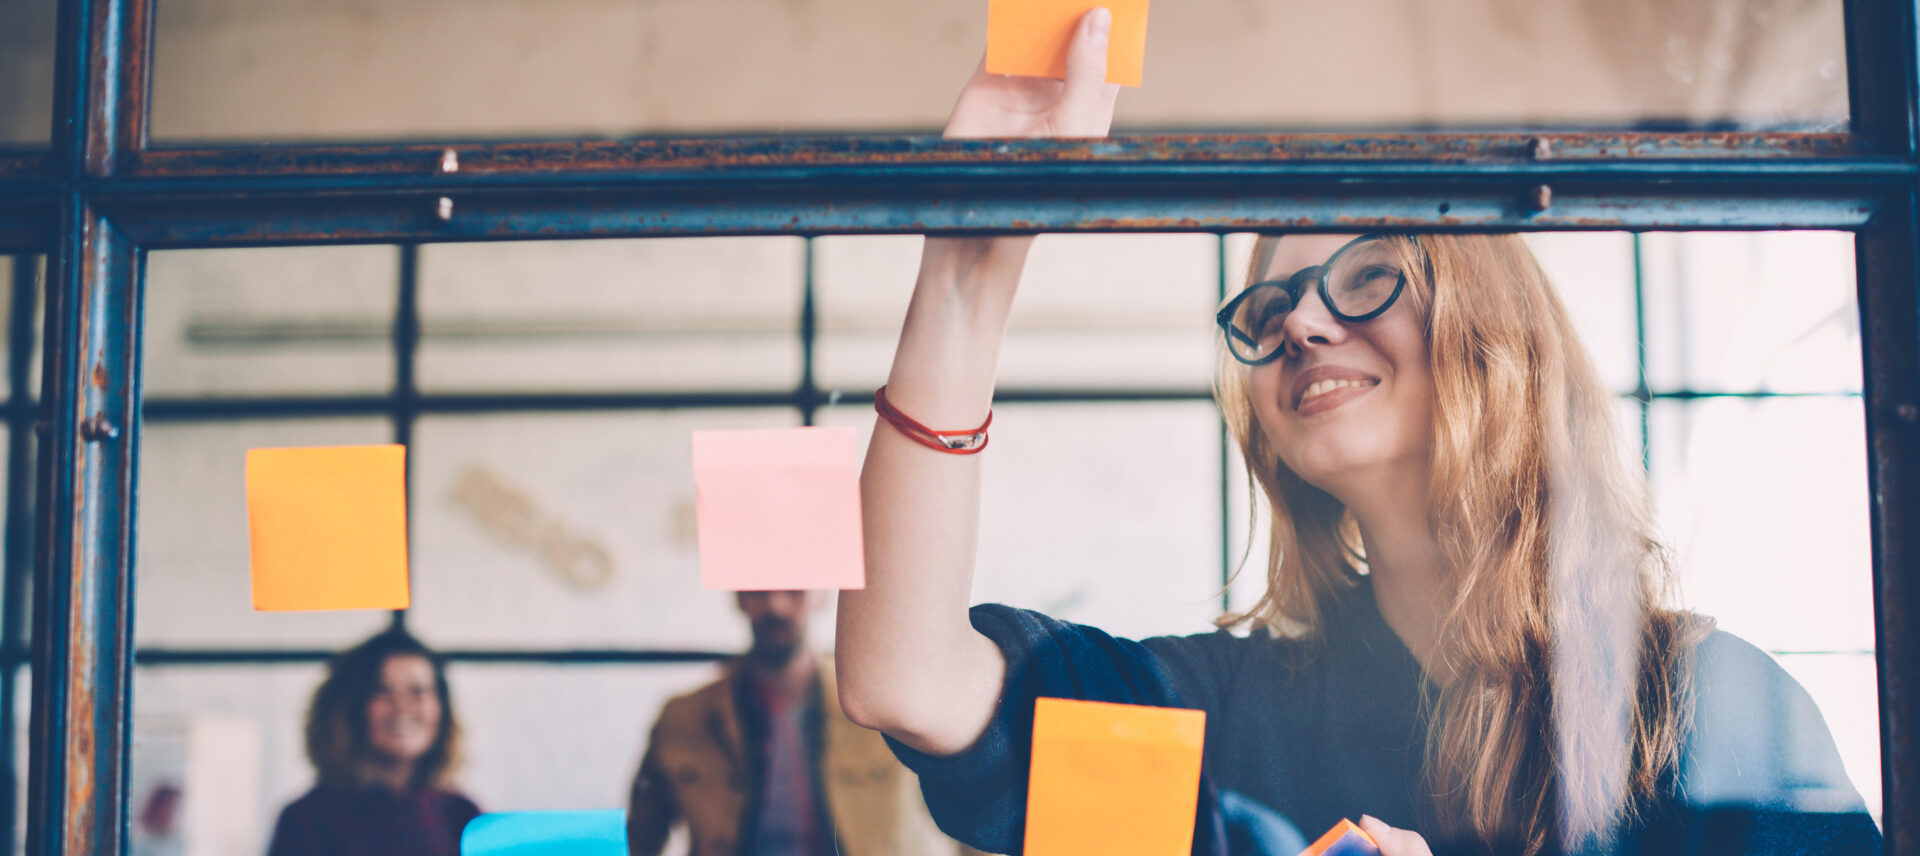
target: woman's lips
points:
(1324, 395)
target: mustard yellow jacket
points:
(697, 769)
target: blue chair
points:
(546, 833)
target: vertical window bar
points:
(1642, 394)
(1882, 73)
(1885, 254)
(406, 398)
(1226, 449)
(808, 396)
(83, 612)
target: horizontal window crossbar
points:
(239, 657)
(727, 154)
(219, 409)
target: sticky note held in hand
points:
(1344, 839)
(327, 527)
(546, 833)
(778, 509)
(1030, 37)
(1113, 778)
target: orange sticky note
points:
(1113, 778)
(778, 509)
(1030, 37)
(1344, 839)
(328, 527)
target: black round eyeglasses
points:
(1360, 281)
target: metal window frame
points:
(103, 197)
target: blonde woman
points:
(1465, 636)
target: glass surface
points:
(554, 737)
(248, 71)
(1099, 311)
(662, 314)
(22, 738)
(545, 531)
(224, 746)
(566, 530)
(8, 271)
(1138, 554)
(26, 73)
(295, 321)
(27, 272)
(194, 584)
(1733, 311)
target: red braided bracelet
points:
(969, 441)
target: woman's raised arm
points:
(910, 663)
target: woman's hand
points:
(999, 105)
(1394, 842)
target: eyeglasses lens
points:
(1258, 319)
(1363, 278)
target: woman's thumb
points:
(1087, 53)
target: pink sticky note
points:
(778, 509)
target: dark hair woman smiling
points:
(382, 739)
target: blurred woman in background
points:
(382, 739)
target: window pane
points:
(1726, 470)
(1099, 311)
(566, 530)
(262, 322)
(553, 737)
(663, 314)
(1093, 525)
(22, 738)
(28, 272)
(26, 72)
(226, 743)
(1771, 311)
(253, 71)
(193, 581)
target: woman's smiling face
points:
(1347, 404)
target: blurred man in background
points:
(763, 763)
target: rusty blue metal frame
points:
(104, 196)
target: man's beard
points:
(775, 642)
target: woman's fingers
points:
(1086, 101)
(1394, 842)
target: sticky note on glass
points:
(546, 833)
(778, 509)
(1030, 37)
(1344, 839)
(1113, 778)
(328, 527)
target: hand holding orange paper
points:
(328, 527)
(1029, 37)
(1113, 778)
(1344, 839)
(778, 509)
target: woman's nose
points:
(1310, 323)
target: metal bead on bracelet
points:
(966, 441)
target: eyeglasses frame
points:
(1224, 318)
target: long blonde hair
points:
(1565, 689)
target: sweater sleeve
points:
(1760, 772)
(979, 795)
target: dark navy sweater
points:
(1301, 734)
